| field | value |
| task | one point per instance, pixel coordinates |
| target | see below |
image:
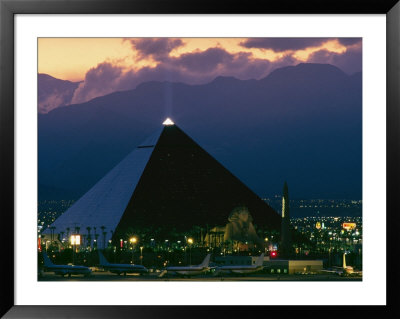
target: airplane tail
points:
(102, 259)
(206, 261)
(47, 261)
(260, 260)
(162, 274)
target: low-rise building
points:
(237, 260)
(280, 266)
(274, 266)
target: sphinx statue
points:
(240, 227)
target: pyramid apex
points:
(168, 121)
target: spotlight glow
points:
(168, 122)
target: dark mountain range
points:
(53, 92)
(302, 124)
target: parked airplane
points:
(121, 268)
(188, 270)
(241, 269)
(65, 269)
(345, 270)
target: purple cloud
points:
(53, 92)
(101, 80)
(157, 48)
(118, 80)
(203, 66)
(285, 44)
(282, 44)
(191, 68)
(349, 61)
(203, 62)
(349, 41)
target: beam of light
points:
(168, 122)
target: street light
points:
(133, 241)
(190, 242)
(266, 244)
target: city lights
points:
(319, 238)
(349, 226)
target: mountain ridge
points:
(262, 132)
(53, 92)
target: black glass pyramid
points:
(167, 183)
(183, 186)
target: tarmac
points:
(107, 276)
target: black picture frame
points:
(8, 8)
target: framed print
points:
(160, 154)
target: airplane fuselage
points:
(349, 270)
(187, 271)
(125, 268)
(239, 269)
(69, 270)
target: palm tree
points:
(104, 236)
(84, 238)
(197, 232)
(96, 236)
(104, 239)
(52, 228)
(62, 237)
(89, 238)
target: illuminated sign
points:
(75, 239)
(349, 226)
